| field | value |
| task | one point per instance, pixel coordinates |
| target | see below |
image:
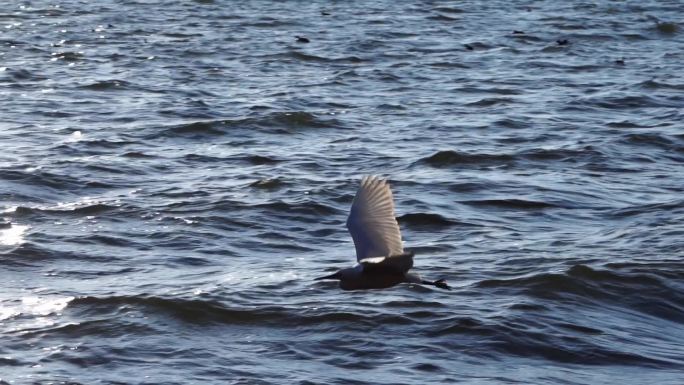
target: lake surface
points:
(173, 175)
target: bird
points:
(382, 261)
(302, 39)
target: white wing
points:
(372, 223)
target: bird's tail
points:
(331, 276)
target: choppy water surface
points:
(173, 175)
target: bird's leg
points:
(440, 283)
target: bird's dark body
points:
(399, 264)
(372, 280)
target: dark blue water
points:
(173, 175)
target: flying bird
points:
(382, 261)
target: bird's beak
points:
(331, 276)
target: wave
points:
(646, 293)
(41, 179)
(277, 122)
(489, 102)
(90, 209)
(68, 56)
(212, 311)
(108, 85)
(311, 208)
(654, 84)
(425, 220)
(256, 160)
(511, 203)
(563, 154)
(104, 143)
(269, 183)
(444, 18)
(557, 341)
(451, 158)
(204, 128)
(259, 159)
(21, 75)
(634, 210)
(623, 102)
(553, 338)
(624, 124)
(107, 240)
(525, 37)
(661, 141)
(448, 9)
(31, 253)
(100, 328)
(307, 57)
(137, 155)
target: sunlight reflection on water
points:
(13, 235)
(36, 307)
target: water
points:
(173, 175)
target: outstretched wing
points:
(372, 223)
